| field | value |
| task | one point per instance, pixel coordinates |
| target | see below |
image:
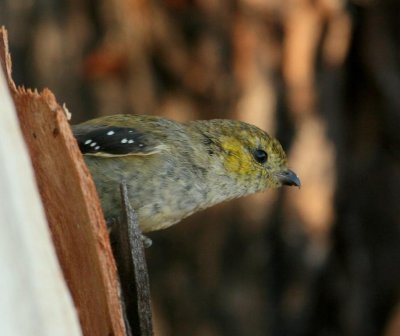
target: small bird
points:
(173, 169)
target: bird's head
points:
(250, 156)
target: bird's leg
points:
(147, 242)
(111, 224)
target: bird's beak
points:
(289, 178)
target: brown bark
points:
(71, 205)
(324, 77)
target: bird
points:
(174, 169)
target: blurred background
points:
(321, 75)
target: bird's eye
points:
(261, 156)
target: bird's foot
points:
(147, 242)
(112, 222)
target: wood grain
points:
(72, 207)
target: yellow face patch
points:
(238, 159)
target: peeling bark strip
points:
(71, 205)
(132, 269)
(32, 286)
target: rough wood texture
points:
(129, 254)
(34, 299)
(324, 76)
(72, 208)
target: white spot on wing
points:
(131, 141)
(124, 140)
(87, 142)
(93, 144)
(97, 147)
(110, 132)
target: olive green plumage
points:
(172, 169)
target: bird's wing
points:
(112, 141)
